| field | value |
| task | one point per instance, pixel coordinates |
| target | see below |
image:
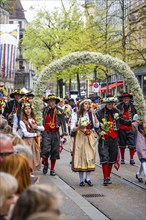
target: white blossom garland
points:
(78, 58)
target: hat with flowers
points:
(109, 99)
(51, 97)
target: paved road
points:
(124, 199)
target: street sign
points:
(96, 87)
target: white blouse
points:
(74, 120)
(29, 134)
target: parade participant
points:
(126, 134)
(30, 97)
(109, 118)
(67, 111)
(84, 147)
(31, 133)
(12, 106)
(140, 146)
(53, 118)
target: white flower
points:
(116, 116)
(83, 121)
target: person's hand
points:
(64, 138)
(38, 134)
(102, 133)
(34, 126)
(95, 135)
(75, 128)
(92, 110)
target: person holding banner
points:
(31, 133)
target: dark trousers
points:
(50, 145)
(108, 150)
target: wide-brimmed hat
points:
(51, 97)
(125, 94)
(109, 99)
(85, 100)
(16, 91)
(30, 94)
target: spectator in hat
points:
(126, 134)
(108, 136)
(12, 106)
(53, 119)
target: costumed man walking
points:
(12, 106)
(109, 118)
(53, 119)
(126, 134)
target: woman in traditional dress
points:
(31, 133)
(84, 149)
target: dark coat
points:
(9, 108)
(122, 107)
(60, 119)
(104, 113)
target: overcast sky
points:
(49, 4)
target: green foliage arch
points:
(77, 58)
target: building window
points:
(11, 22)
(20, 24)
(21, 67)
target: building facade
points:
(131, 14)
(137, 21)
(13, 13)
(24, 71)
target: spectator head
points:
(18, 166)
(8, 187)
(4, 127)
(25, 150)
(45, 216)
(37, 198)
(6, 146)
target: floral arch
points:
(77, 58)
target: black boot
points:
(52, 173)
(132, 162)
(45, 169)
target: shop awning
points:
(111, 87)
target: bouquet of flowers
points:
(67, 112)
(83, 121)
(94, 106)
(106, 126)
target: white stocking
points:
(88, 176)
(144, 168)
(140, 170)
(81, 176)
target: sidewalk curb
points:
(84, 205)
